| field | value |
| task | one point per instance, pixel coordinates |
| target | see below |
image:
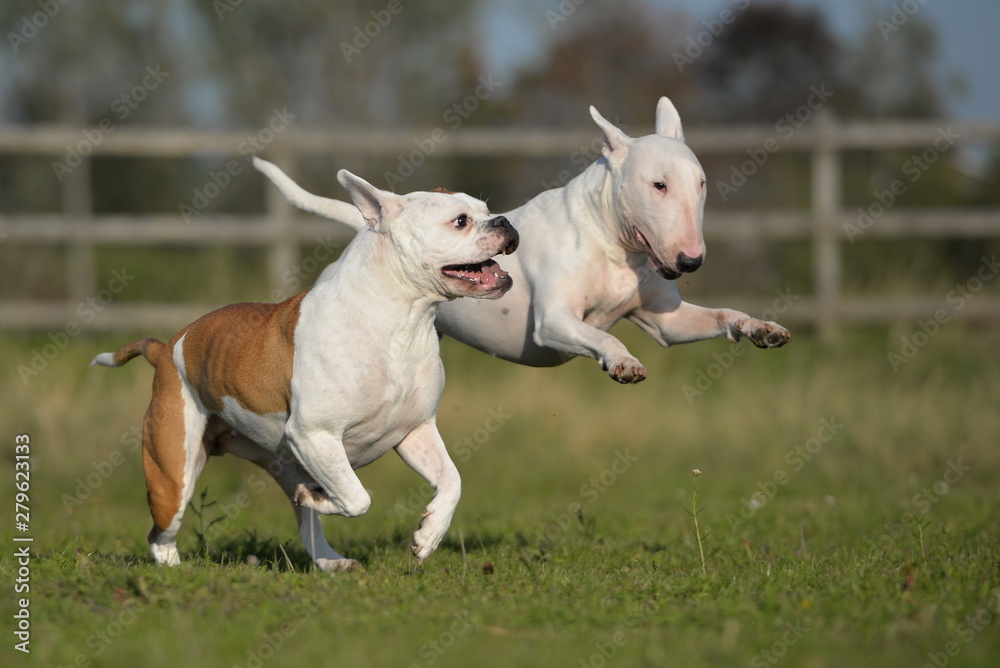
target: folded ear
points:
(616, 142)
(377, 206)
(668, 121)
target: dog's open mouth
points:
(486, 276)
(658, 266)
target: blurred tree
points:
(764, 62)
(615, 56)
(895, 71)
(231, 62)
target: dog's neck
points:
(594, 187)
(369, 272)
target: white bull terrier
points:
(328, 381)
(608, 245)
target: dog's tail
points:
(342, 212)
(151, 349)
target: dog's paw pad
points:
(626, 374)
(628, 370)
(766, 334)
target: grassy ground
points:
(849, 516)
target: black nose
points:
(687, 264)
(499, 221)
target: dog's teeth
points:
(496, 275)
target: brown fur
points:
(148, 348)
(163, 457)
(244, 351)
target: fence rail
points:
(278, 230)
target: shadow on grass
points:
(272, 554)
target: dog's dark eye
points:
(461, 221)
(661, 186)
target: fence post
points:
(825, 202)
(81, 262)
(283, 253)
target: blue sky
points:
(966, 29)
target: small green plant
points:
(694, 512)
(199, 512)
(921, 525)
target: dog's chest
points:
(370, 402)
(610, 291)
(402, 403)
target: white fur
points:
(582, 267)
(366, 373)
(104, 359)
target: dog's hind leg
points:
(425, 452)
(314, 539)
(173, 455)
(294, 481)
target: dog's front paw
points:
(764, 334)
(428, 536)
(342, 564)
(625, 369)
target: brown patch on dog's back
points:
(244, 351)
(442, 189)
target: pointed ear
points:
(616, 142)
(668, 121)
(375, 205)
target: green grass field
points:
(849, 516)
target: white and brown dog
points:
(328, 381)
(609, 245)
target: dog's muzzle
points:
(512, 238)
(687, 264)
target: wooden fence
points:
(822, 224)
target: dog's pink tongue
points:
(491, 274)
(487, 274)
